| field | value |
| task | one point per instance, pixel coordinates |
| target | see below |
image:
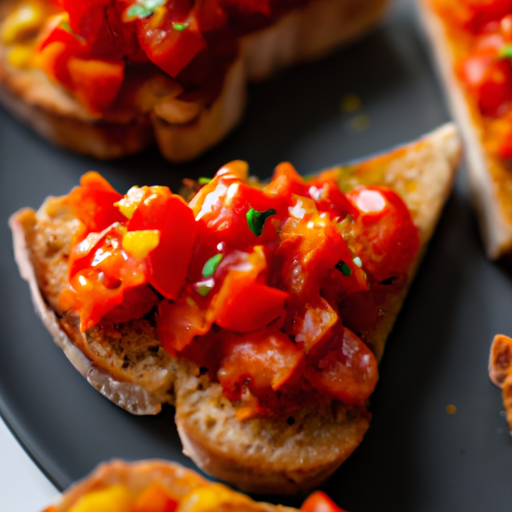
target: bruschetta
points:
(500, 370)
(108, 78)
(159, 486)
(260, 310)
(471, 43)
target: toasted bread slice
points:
(500, 370)
(282, 455)
(192, 492)
(490, 177)
(182, 129)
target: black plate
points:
(416, 457)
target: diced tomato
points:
(329, 198)
(489, 80)
(384, 236)
(263, 361)
(93, 202)
(136, 303)
(320, 502)
(169, 214)
(170, 42)
(285, 182)
(347, 372)
(95, 82)
(53, 61)
(155, 498)
(179, 322)
(243, 304)
(222, 207)
(310, 248)
(472, 15)
(313, 326)
(99, 277)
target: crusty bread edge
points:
(500, 371)
(496, 230)
(121, 393)
(303, 34)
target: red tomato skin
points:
(489, 80)
(168, 262)
(320, 502)
(386, 239)
(263, 361)
(347, 372)
(96, 83)
(170, 49)
(227, 220)
(93, 203)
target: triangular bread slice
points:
(280, 455)
(490, 178)
(182, 129)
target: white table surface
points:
(23, 487)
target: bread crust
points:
(303, 34)
(489, 177)
(500, 371)
(284, 455)
(177, 480)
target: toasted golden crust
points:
(490, 178)
(500, 370)
(182, 484)
(282, 455)
(183, 130)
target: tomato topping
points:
(96, 82)
(490, 81)
(320, 502)
(348, 371)
(93, 202)
(262, 361)
(243, 304)
(171, 41)
(480, 32)
(168, 263)
(178, 323)
(262, 287)
(383, 236)
(100, 273)
(155, 498)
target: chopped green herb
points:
(143, 9)
(179, 26)
(343, 267)
(256, 220)
(137, 11)
(357, 261)
(211, 265)
(506, 52)
(204, 287)
(204, 181)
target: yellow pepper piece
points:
(23, 22)
(113, 499)
(20, 56)
(139, 243)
